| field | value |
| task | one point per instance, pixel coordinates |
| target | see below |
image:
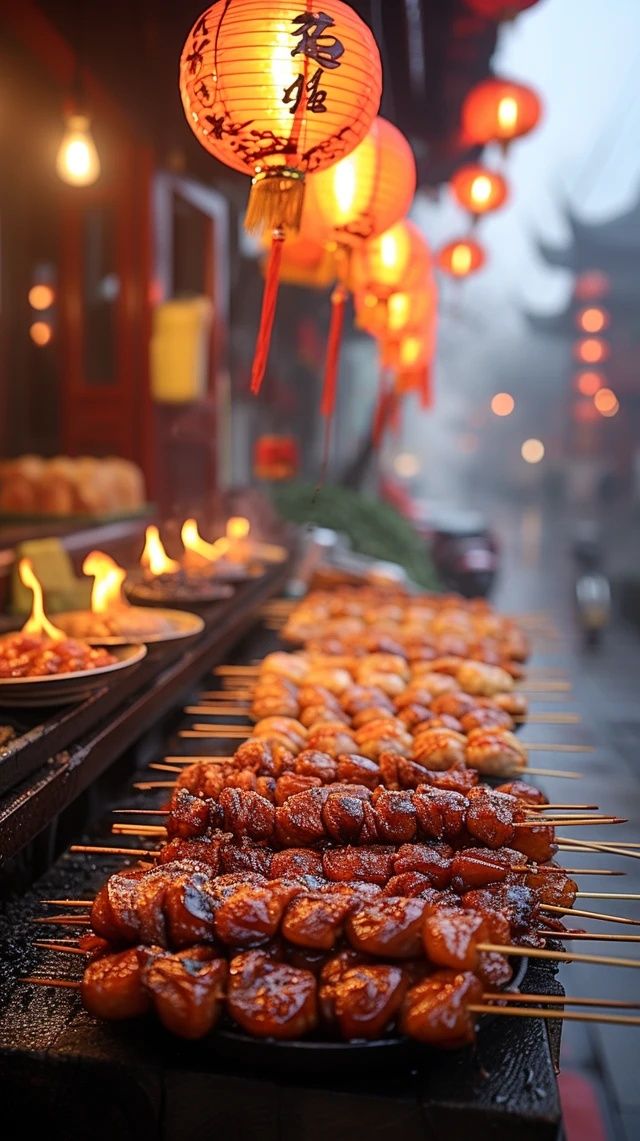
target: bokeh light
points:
(502, 404)
(593, 320)
(606, 402)
(588, 383)
(41, 297)
(592, 350)
(406, 465)
(40, 333)
(532, 451)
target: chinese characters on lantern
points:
(325, 50)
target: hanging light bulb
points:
(77, 161)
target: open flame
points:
(37, 622)
(154, 557)
(193, 541)
(108, 577)
(237, 527)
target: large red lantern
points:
(461, 257)
(499, 9)
(349, 205)
(498, 111)
(306, 263)
(398, 259)
(479, 190)
(276, 91)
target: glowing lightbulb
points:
(480, 190)
(502, 404)
(606, 402)
(461, 259)
(77, 161)
(507, 113)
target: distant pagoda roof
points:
(612, 245)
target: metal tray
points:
(64, 689)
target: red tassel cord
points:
(425, 388)
(331, 369)
(383, 409)
(269, 301)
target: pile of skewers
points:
(345, 873)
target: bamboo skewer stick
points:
(62, 947)
(608, 894)
(570, 821)
(565, 774)
(631, 844)
(561, 747)
(565, 1015)
(216, 733)
(69, 984)
(549, 719)
(562, 956)
(68, 902)
(553, 910)
(559, 1000)
(105, 850)
(216, 710)
(148, 785)
(61, 920)
(212, 759)
(568, 844)
(138, 830)
(165, 768)
(590, 935)
(571, 807)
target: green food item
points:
(374, 528)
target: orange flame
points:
(108, 577)
(193, 541)
(154, 557)
(237, 527)
(37, 622)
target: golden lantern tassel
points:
(269, 301)
(275, 201)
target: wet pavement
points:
(538, 578)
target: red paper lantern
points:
(499, 10)
(365, 193)
(397, 260)
(479, 190)
(461, 257)
(498, 111)
(276, 91)
(275, 457)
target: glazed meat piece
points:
(266, 758)
(434, 861)
(454, 704)
(495, 753)
(269, 999)
(453, 780)
(314, 717)
(557, 889)
(187, 992)
(388, 927)
(494, 970)
(415, 714)
(383, 735)
(273, 705)
(441, 815)
(318, 695)
(251, 916)
(371, 713)
(537, 843)
(292, 783)
(395, 815)
(477, 867)
(361, 999)
(513, 703)
(490, 817)
(293, 667)
(312, 763)
(291, 862)
(317, 923)
(389, 682)
(354, 769)
(112, 986)
(451, 938)
(203, 778)
(480, 718)
(283, 730)
(113, 913)
(484, 680)
(244, 856)
(299, 820)
(436, 1010)
(192, 815)
(189, 908)
(359, 697)
(332, 737)
(333, 678)
(208, 852)
(371, 864)
(439, 748)
(247, 814)
(515, 902)
(523, 791)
